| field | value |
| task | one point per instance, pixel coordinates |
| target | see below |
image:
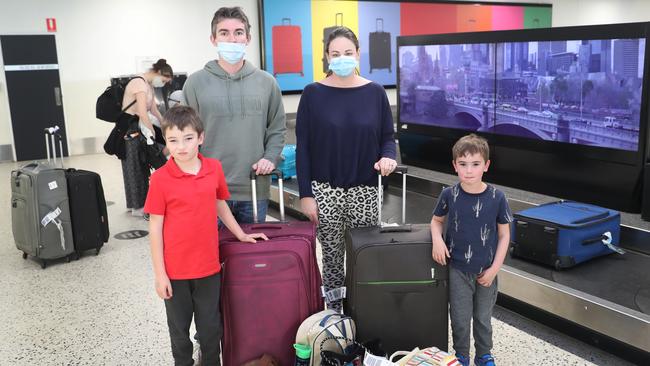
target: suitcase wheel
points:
(67, 259)
(77, 255)
(557, 265)
(24, 255)
(43, 264)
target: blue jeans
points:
(243, 211)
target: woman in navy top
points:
(345, 135)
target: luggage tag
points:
(607, 241)
(372, 360)
(334, 294)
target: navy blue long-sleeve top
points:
(340, 134)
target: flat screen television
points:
(564, 108)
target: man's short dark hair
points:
(181, 116)
(230, 13)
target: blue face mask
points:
(230, 52)
(344, 65)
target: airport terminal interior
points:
(559, 88)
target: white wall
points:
(97, 39)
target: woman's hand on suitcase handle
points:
(163, 287)
(385, 166)
(439, 252)
(310, 208)
(251, 238)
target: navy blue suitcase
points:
(563, 234)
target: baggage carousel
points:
(604, 302)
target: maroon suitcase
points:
(268, 288)
(287, 48)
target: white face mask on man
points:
(231, 52)
(157, 82)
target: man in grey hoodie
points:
(241, 108)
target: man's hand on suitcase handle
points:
(263, 167)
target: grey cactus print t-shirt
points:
(471, 227)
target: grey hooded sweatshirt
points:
(244, 121)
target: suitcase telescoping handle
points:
(53, 133)
(286, 21)
(392, 228)
(380, 21)
(277, 173)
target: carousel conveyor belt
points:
(608, 296)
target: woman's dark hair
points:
(344, 32)
(163, 68)
(229, 13)
(341, 32)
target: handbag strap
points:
(132, 103)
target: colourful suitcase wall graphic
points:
(326, 33)
(379, 48)
(287, 48)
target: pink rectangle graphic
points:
(507, 17)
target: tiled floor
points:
(103, 310)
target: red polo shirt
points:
(189, 204)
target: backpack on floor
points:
(325, 324)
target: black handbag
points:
(153, 154)
(115, 144)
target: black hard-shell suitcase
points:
(395, 291)
(326, 33)
(87, 210)
(379, 42)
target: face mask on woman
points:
(343, 65)
(157, 82)
(231, 52)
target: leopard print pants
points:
(340, 209)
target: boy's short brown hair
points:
(181, 116)
(471, 144)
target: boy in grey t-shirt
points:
(476, 242)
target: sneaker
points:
(462, 360)
(485, 360)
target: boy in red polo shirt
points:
(184, 198)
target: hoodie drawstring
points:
(228, 87)
(241, 94)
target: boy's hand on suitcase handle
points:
(250, 238)
(439, 252)
(164, 287)
(310, 208)
(385, 166)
